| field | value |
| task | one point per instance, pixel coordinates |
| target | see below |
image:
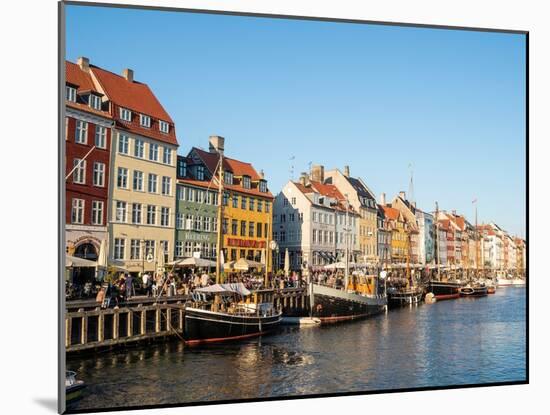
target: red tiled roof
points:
(76, 76)
(135, 96)
(328, 190)
(87, 108)
(391, 213)
(444, 224)
(238, 168)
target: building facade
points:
(142, 172)
(364, 203)
(88, 126)
(408, 210)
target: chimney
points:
(318, 173)
(402, 195)
(128, 74)
(83, 63)
(346, 171)
(262, 174)
(303, 178)
(216, 143)
(383, 199)
(413, 204)
(454, 212)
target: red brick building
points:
(88, 127)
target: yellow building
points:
(142, 174)
(399, 238)
(248, 204)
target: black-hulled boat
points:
(333, 305)
(445, 290)
(398, 297)
(228, 318)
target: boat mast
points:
(437, 240)
(220, 222)
(346, 272)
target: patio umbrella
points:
(244, 264)
(102, 260)
(194, 262)
(287, 263)
(77, 262)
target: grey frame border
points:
(61, 200)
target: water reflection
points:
(462, 341)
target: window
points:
(243, 202)
(291, 217)
(77, 215)
(251, 204)
(164, 216)
(144, 120)
(152, 183)
(293, 201)
(260, 205)
(153, 152)
(314, 236)
(119, 248)
(164, 127)
(167, 155)
(224, 225)
(151, 214)
(228, 177)
(251, 229)
(200, 196)
(243, 228)
(189, 222)
(149, 249)
(246, 182)
(122, 143)
(207, 221)
(197, 223)
(139, 148)
(166, 185)
(70, 93)
(100, 136)
(122, 178)
(138, 181)
(301, 217)
(136, 213)
(275, 236)
(125, 114)
(200, 172)
(283, 236)
(285, 202)
(234, 226)
(188, 249)
(235, 201)
(81, 132)
(179, 249)
(315, 217)
(79, 173)
(97, 212)
(283, 218)
(258, 230)
(180, 218)
(190, 194)
(267, 207)
(263, 186)
(182, 168)
(225, 198)
(95, 102)
(99, 174)
(135, 251)
(120, 212)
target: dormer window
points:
(263, 186)
(200, 172)
(70, 93)
(125, 114)
(144, 121)
(228, 177)
(95, 102)
(164, 127)
(246, 182)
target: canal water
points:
(455, 342)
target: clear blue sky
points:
(377, 98)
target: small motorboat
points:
(73, 387)
(301, 321)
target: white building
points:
(309, 219)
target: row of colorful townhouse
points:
(326, 213)
(126, 185)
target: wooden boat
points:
(398, 297)
(73, 387)
(234, 313)
(445, 290)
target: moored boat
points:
(510, 282)
(405, 296)
(445, 290)
(333, 305)
(73, 387)
(234, 313)
(475, 290)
